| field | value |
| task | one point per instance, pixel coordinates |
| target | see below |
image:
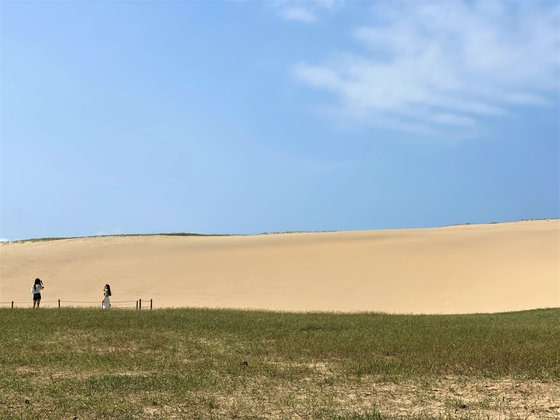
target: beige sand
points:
(458, 269)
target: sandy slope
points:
(458, 269)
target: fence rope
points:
(148, 303)
(30, 301)
(78, 301)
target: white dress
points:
(106, 304)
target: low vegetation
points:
(116, 235)
(201, 363)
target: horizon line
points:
(287, 232)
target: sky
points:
(251, 117)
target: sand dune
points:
(457, 269)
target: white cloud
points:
(527, 99)
(299, 14)
(452, 119)
(436, 65)
(4, 240)
(303, 10)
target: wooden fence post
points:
(58, 303)
(139, 304)
(151, 303)
(136, 305)
(12, 304)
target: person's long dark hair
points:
(37, 281)
(108, 289)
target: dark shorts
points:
(36, 296)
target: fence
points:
(59, 303)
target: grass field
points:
(193, 363)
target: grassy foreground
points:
(199, 363)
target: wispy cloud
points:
(299, 14)
(427, 66)
(302, 10)
(452, 119)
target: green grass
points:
(58, 238)
(225, 363)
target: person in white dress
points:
(36, 292)
(106, 303)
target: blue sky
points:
(248, 117)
